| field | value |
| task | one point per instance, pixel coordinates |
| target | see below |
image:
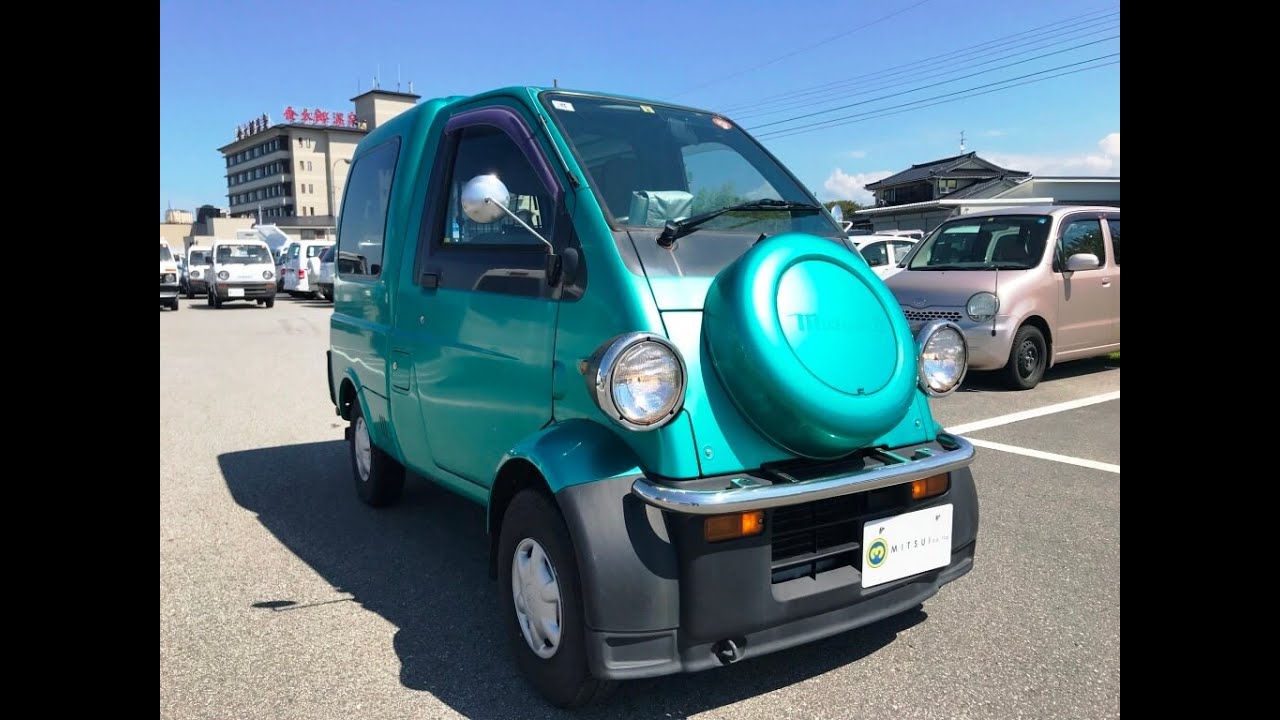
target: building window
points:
(308, 166)
(311, 188)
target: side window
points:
(900, 250)
(1114, 227)
(484, 150)
(364, 212)
(876, 253)
(1082, 236)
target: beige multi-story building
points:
(292, 175)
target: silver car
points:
(1029, 286)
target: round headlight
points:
(195, 274)
(169, 278)
(267, 274)
(222, 275)
(944, 357)
(638, 379)
(982, 306)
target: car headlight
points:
(222, 275)
(267, 275)
(195, 274)
(638, 379)
(982, 306)
(944, 357)
(170, 278)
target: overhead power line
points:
(1070, 25)
(881, 81)
(797, 51)
(930, 85)
(940, 99)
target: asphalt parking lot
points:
(281, 596)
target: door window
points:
(876, 254)
(1114, 227)
(1082, 236)
(489, 151)
(364, 212)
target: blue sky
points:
(223, 63)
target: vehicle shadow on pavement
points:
(994, 380)
(423, 566)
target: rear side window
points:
(314, 250)
(364, 212)
(876, 254)
(1114, 226)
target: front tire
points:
(379, 478)
(1027, 358)
(269, 302)
(541, 600)
(173, 304)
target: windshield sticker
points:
(646, 108)
(562, 105)
(721, 123)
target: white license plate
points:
(903, 545)
(235, 292)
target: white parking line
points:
(1034, 413)
(1094, 464)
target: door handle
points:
(1106, 282)
(430, 278)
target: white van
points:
(197, 270)
(299, 275)
(241, 270)
(168, 277)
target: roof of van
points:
(398, 124)
(1037, 210)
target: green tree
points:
(846, 206)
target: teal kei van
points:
(699, 423)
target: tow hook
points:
(727, 652)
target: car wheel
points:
(541, 601)
(1027, 358)
(173, 304)
(379, 478)
(269, 302)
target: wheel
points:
(269, 302)
(541, 598)
(259, 301)
(1027, 358)
(173, 304)
(379, 478)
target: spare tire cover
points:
(810, 345)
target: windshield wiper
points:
(678, 229)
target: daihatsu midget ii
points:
(700, 424)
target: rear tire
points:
(173, 304)
(534, 533)
(379, 478)
(1027, 358)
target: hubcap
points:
(364, 454)
(536, 592)
(1030, 358)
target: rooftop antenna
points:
(397, 77)
(961, 142)
(555, 83)
(410, 87)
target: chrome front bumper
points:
(747, 493)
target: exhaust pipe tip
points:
(727, 651)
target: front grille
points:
(820, 536)
(927, 315)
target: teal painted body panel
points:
(456, 382)
(810, 345)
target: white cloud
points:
(1105, 161)
(996, 133)
(843, 186)
(857, 154)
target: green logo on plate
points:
(877, 553)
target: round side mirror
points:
(482, 196)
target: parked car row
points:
(226, 271)
(298, 267)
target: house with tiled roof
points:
(922, 196)
(957, 176)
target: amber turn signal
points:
(928, 487)
(734, 525)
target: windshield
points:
(242, 254)
(1007, 242)
(165, 255)
(652, 164)
(199, 257)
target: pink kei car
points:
(1029, 286)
